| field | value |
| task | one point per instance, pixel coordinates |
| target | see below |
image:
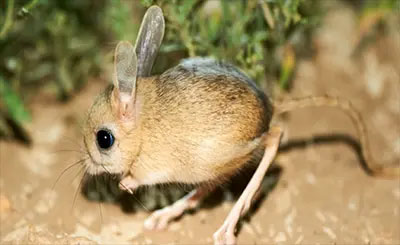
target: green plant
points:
(51, 47)
(249, 34)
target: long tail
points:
(371, 167)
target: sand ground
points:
(319, 196)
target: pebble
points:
(320, 216)
(299, 239)
(280, 237)
(310, 178)
(329, 232)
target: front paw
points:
(128, 184)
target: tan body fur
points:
(205, 125)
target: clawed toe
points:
(224, 236)
(158, 220)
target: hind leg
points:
(159, 219)
(226, 233)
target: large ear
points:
(124, 78)
(149, 39)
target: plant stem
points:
(267, 14)
(27, 7)
(8, 20)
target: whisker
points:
(105, 169)
(99, 201)
(71, 140)
(79, 172)
(101, 214)
(68, 150)
(66, 169)
(133, 195)
(141, 204)
(79, 186)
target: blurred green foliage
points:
(54, 41)
(252, 34)
(374, 11)
(388, 5)
(54, 46)
(12, 100)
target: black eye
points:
(105, 139)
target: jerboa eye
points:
(105, 139)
